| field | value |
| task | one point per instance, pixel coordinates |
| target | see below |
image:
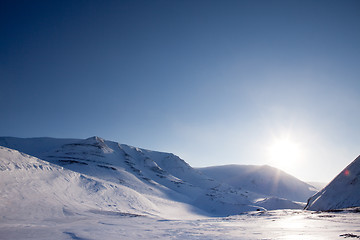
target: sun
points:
(284, 153)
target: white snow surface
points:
(96, 189)
(279, 224)
(342, 192)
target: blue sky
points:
(215, 82)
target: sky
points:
(214, 82)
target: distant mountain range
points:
(59, 177)
(264, 180)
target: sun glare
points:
(284, 153)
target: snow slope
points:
(264, 180)
(152, 174)
(342, 192)
(31, 188)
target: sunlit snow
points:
(98, 189)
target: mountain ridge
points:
(341, 192)
(262, 179)
(160, 177)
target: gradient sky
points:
(215, 82)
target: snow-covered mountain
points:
(147, 173)
(73, 176)
(264, 180)
(35, 189)
(341, 192)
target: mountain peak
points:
(95, 139)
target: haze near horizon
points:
(214, 82)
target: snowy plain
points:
(279, 224)
(96, 189)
